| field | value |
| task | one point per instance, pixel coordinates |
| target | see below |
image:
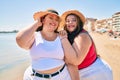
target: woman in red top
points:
(80, 49)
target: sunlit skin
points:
(51, 22)
(71, 23)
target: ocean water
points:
(12, 57)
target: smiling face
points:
(51, 22)
(71, 23)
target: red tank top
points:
(90, 58)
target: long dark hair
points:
(79, 28)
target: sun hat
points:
(43, 13)
(76, 12)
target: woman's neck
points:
(50, 36)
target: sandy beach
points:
(107, 48)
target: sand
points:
(107, 48)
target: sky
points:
(16, 14)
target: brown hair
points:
(79, 28)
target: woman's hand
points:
(63, 34)
(37, 20)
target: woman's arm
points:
(76, 52)
(74, 72)
(73, 69)
(25, 37)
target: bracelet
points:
(63, 38)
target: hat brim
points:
(42, 13)
(63, 16)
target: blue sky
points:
(16, 14)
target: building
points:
(108, 24)
(90, 24)
(116, 21)
(104, 23)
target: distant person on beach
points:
(81, 48)
(44, 43)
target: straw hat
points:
(63, 16)
(43, 13)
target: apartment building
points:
(107, 24)
(116, 21)
(104, 23)
(90, 24)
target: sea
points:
(13, 59)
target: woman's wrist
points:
(37, 23)
(65, 37)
